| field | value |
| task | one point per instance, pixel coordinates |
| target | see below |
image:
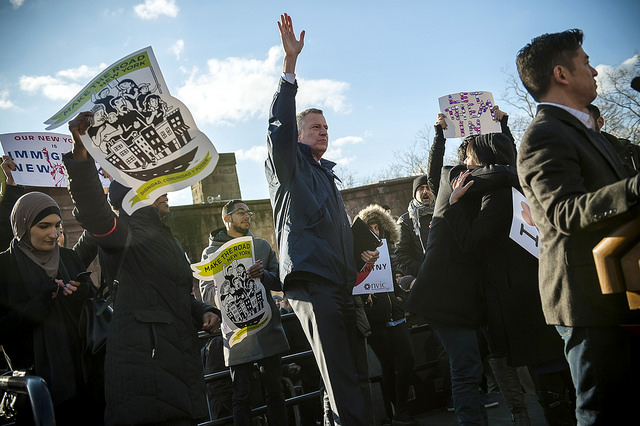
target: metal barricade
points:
(39, 397)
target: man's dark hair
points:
(302, 114)
(229, 207)
(537, 59)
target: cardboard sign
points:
(468, 113)
(140, 134)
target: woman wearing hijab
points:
(40, 304)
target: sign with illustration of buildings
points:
(376, 277)
(468, 113)
(38, 158)
(140, 134)
(242, 300)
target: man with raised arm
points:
(314, 237)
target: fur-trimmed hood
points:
(373, 213)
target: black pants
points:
(393, 347)
(327, 316)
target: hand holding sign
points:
(468, 113)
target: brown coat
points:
(579, 191)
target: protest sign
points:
(377, 277)
(140, 134)
(468, 113)
(38, 158)
(242, 300)
(523, 230)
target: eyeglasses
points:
(242, 212)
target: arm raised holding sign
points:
(154, 308)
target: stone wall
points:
(192, 224)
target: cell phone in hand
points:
(82, 276)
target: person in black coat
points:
(516, 329)
(389, 338)
(153, 370)
(40, 306)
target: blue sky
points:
(377, 68)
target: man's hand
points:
(78, 126)
(210, 322)
(8, 166)
(370, 256)
(292, 46)
(256, 270)
(440, 121)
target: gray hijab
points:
(29, 210)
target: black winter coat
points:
(153, 369)
(448, 288)
(509, 276)
(40, 333)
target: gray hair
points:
(301, 115)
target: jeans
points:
(241, 375)
(465, 362)
(600, 363)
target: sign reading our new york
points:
(141, 135)
(468, 113)
(38, 157)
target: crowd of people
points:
(493, 306)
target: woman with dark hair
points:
(40, 305)
(389, 338)
(516, 329)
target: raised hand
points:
(8, 166)
(292, 46)
(78, 126)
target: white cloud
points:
(5, 102)
(336, 155)
(180, 198)
(627, 67)
(63, 86)
(16, 3)
(234, 90)
(257, 154)
(346, 140)
(323, 94)
(151, 9)
(177, 48)
(335, 152)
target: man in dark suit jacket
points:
(579, 191)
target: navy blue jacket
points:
(312, 226)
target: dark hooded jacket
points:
(448, 288)
(153, 369)
(509, 273)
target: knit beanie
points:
(420, 180)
